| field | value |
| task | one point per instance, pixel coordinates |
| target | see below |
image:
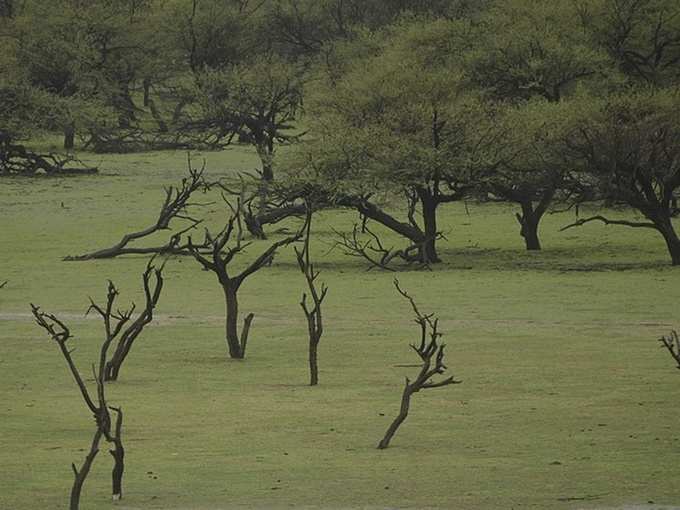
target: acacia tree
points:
(642, 36)
(223, 248)
(398, 121)
(257, 101)
(627, 147)
(530, 50)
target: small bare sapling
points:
(432, 356)
(312, 310)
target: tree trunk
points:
(146, 84)
(233, 340)
(162, 126)
(313, 364)
(666, 229)
(428, 252)
(403, 413)
(69, 136)
(118, 454)
(529, 220)
(81, 475)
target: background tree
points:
(398, 120)
(628, 148)
(527, 49)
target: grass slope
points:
(567, 402)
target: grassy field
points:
(567, 400)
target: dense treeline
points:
(426, 102)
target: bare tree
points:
(222, 249)
(672, 344)
(175, 204)
(429, 351)
(313, 314)
(107, 427)
(130, 334)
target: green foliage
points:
(530, 48)
(642, 36)
(629, 144)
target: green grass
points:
(567, 400)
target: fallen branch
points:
(373, 250)
(606, 221)
(174, 206)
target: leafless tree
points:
(131, 332)
(672, 344)
(108, 427)
(175, 204)
(221, 251)
(432, 356)
(313, 314)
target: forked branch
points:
(97, 403)
(221, 250)
(672, 345)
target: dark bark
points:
(162, 126)
(429, 206)
(403, 414)
(234, 344)
(6, 8)
(69, 136)
(432, 356)
(128, 337)
(313, 361)
(665, 227)
(174, 206)
(118, 454)
(313, 315)
(528, 221)
(146, 85)
(80, 475)
(218, 256)
(16, 159)
(114, 323)
(672, 345)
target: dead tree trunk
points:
(313, 315)
(81, 474)
(127, 337)
(220, 253)
(114, 323)
(429, 351)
